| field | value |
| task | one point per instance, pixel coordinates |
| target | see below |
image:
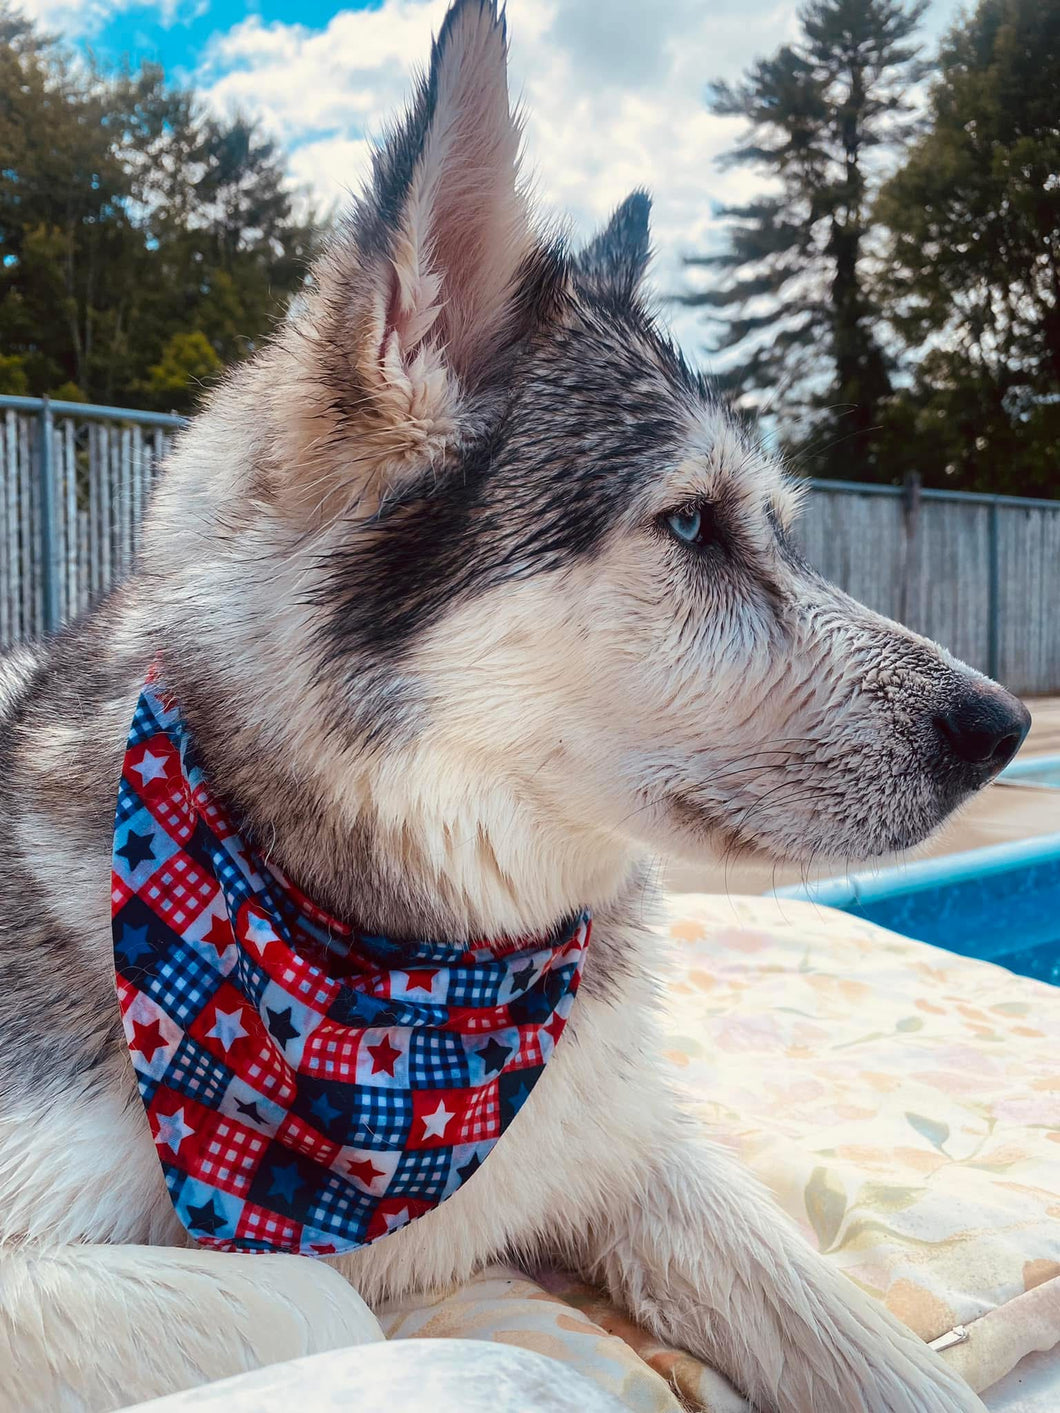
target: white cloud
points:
(83, 19)
(614, 97)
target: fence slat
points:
(102, 476)
(70, 519)
(9, 569)
(29, 500)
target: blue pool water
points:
(1001, 904)
(1039, 772)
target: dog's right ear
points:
(421, 287)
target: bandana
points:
(309, 1088)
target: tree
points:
(62, 201)
(188, 360)
(795, 310)
(972, 276)
(136, 231)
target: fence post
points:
(911, 485)
(993, 641)
(49, 547)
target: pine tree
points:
(972, 270)
(792, 303)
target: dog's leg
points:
(85, 1329)
(703, 1258)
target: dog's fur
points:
(411, 578)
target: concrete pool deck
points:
(999, 814)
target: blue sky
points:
(613, 91)
(178, 39)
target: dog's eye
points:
(693, 524)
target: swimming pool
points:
(1001, 904)
(1038, 772)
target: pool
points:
(1001, 904)
(1039, 772)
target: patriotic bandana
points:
(309, 1089)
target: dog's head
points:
(481, 524)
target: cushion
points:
(902, 1102)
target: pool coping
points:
(857, 889)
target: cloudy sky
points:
(613, 89)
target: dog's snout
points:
(985, 729)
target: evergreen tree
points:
(794, 306)
(972, 276)
(144, 244)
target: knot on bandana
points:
(309, 1088)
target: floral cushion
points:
(902, 1102)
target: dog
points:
(476, 601)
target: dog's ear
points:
(422, 279)
(616, 259)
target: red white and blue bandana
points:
(309, 1089)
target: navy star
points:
(280, 1025)
(470, 1168)
(137, 849)
(323, 1109)
(249, 1111)
(134, 943)
(517, 1098)
(522, 978)
(285, 1183)
(205, 1218)
(494, 1056)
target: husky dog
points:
(475, 600)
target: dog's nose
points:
(985, 729)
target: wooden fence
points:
(980, 574)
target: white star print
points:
(228, 1027)
(434, 1124)
(399, 1219)
(261, 933)
(172, 1130)
(150, 768)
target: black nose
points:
(985, 729)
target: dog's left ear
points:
(617, 258)
(424, 276)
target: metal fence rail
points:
(979, 574)
(74, 480)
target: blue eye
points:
(693, 524)
(686, 524)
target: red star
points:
(365, 1172)
(219, 935)
(323, 1248)
(421, 980)
(384, 1056)
(555, 1027)
(147, 1039)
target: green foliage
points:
(972, 275)
(794, 310)
(13, 376)
(143, 243)
(187, 360)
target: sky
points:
(613, 92)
